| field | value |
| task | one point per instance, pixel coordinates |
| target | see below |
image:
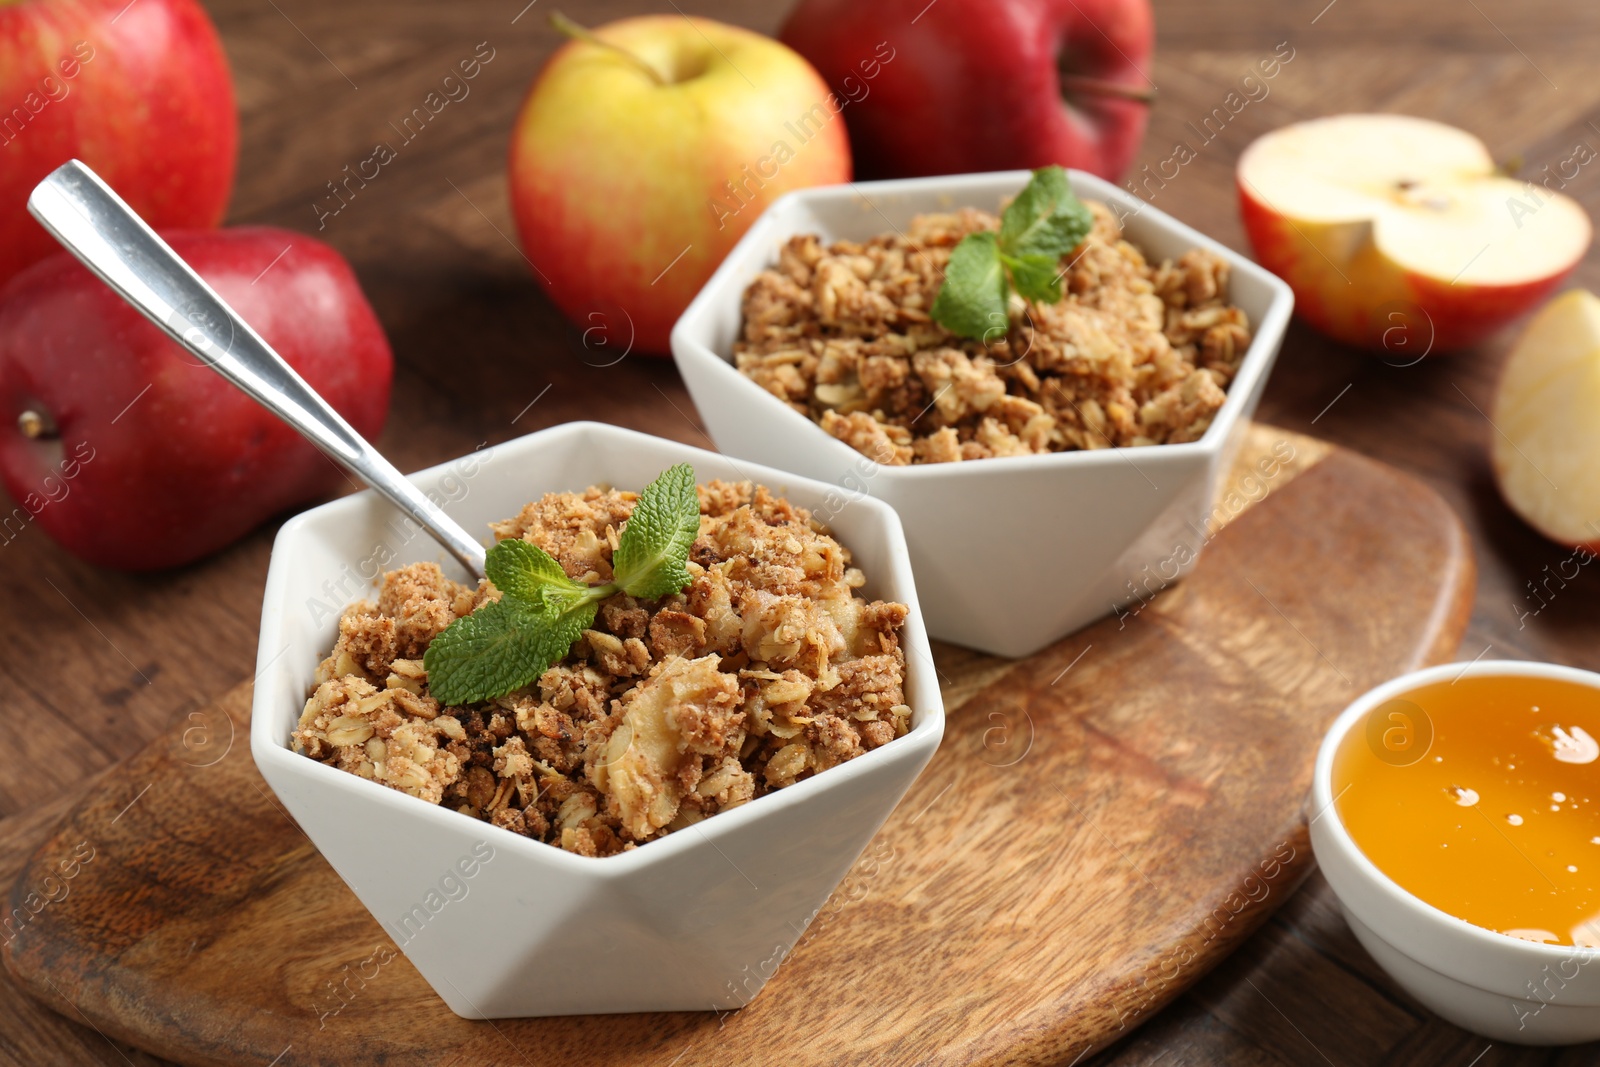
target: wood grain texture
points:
(99, 664)
(1103, 824)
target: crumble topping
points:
(766, 669)
(1134, 354)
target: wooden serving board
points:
(1103, 823)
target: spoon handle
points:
(93, 223)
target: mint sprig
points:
(509, 643)
(1043, 223)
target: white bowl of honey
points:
(1456, 813)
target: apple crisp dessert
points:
(767, 668)
(1133, 354)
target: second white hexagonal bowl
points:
(501, 925)
(1010, 553)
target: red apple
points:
(974, 85)
(134, 454)
(636, 164)
(1545, 448)
(1400, 233)
(139, 91)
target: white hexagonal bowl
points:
(1010, 553)
(501, 925)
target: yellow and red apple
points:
(1546, 419)
(645, 150)
(1387, 226)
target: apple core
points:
(688, 63)
(33, 424)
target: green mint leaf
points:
(1037, 278)
(650, 557)
(524, 571)
(501, 647)
(1045, 219)
(972, 300)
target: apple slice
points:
(1399, 233)
(1546, 434)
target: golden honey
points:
(1482, 797)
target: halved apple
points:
(1547, 422)
(1400, 234)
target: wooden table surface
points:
(97, 663)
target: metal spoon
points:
(95, 225)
